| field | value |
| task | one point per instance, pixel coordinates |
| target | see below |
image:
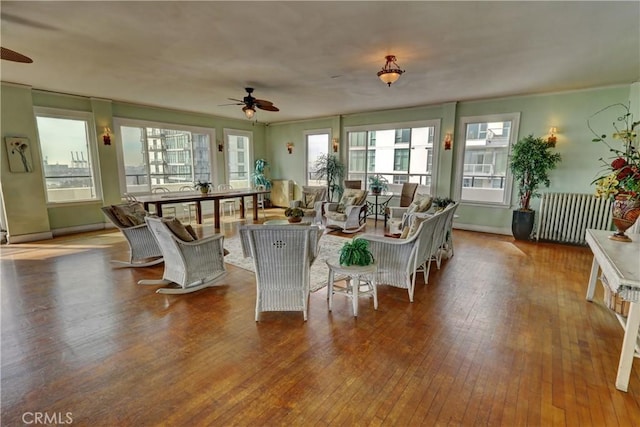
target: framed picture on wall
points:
(19, 154)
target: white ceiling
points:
(316, 59)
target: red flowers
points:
(618, 163)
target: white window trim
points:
(226, 132)
(119, 121)
(508, 185)
(58, 113)
(307, 133)
(436, 123)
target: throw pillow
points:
(121, 216)
(308, 200)
(413, 228)
(178, 229)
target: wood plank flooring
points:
(501, 336)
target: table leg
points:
(255, 207)
(355, 283)
(198, 212)
(216, 213)
(242, 207)
(628, 347)
(158, 209)
(375, 294)
(330, 289)
(593, 278)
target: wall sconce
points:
(334, 145)
(551, 140)
(220, 146)
(448, 140)
(290, 147)
(106, 137)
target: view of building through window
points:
(239, 163)
(402, 154)
(484, 165)
(317, 145)
(67, 156)
(162, 157)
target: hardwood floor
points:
(501, 335)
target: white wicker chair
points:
(354, 217)
(282, 257)
(397, 259)
(440, 242)
(191, 265)
(143, 248)
(312, 211)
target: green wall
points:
(28, 215)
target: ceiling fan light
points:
(249, 112)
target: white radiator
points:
(564, 217)
(281, 192)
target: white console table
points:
(620, 264)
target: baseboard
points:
(24, 238)
(80, 229)
(483, 229)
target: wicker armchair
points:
(311, 203)
(398, 215)
(143, 248)
(441, 242)
(406, 197)
(282, 257)
(397, 259)
(350, 215)
(192, 265)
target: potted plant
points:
(378, 184)
(204, 187)
(439, 203)
(530, 162)
(329, 167)
(356, 252)
(294, 214)
(258, 176)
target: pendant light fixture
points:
(391, 72)
(249, 111)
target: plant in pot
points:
(530, 162)
(294, 214)
(204, 187)
(378, 184)
(439, 203)
(329, 167)
(356, 252)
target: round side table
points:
(354, 275)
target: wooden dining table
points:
(158, 200)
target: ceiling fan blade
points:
(14, 56)
(235, 103)
(268, 107)
(237, 100)
(263, 102)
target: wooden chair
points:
(398, 259)
(192, 265)
(406, 197)
(282, 257)
(143, 248)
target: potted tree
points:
(530, 162)
(378, 184)
(329, 167)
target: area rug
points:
(329, 249)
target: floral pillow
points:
(308, 199)
(421, 203)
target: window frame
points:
(227, 132)
(307, 134)
(514, 118)
(118, 122)
(92, 143)
(435, 123)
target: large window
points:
(153, 155)
(317, 145)
(483, 174)
(239, 157)
(68, 147)
(401, 153)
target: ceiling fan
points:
(12, 55)
(250, 104)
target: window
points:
(317, 145)
(483, 175)
(68, 147)
(239, 158)
(401, 153)
(153, 155)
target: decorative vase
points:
(522, 224)
(294, 219)
(624, 213)
(204, 191)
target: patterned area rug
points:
(329, 249)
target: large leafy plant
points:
(531, 160)
(258, 176)
(329, 167)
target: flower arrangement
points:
(621, 178)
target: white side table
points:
(354, 275)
